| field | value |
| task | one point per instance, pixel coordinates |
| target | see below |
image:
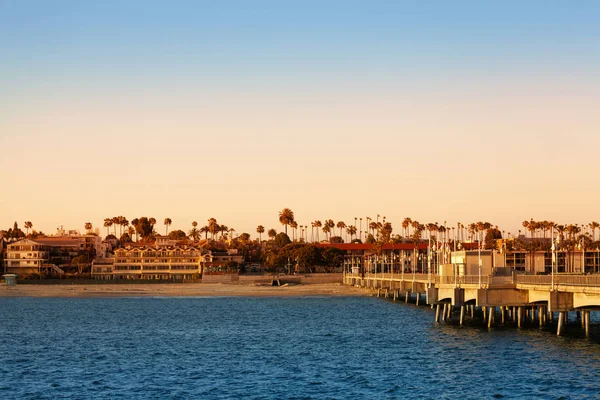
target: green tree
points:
(281, 240)
(272, 233)
(307, 256)
(144, 227)
(81, 262)
(333, 258)
(177, 234)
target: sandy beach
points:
(178, 290)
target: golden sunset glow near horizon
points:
(457, 112)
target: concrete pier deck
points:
(498, 298)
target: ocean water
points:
(277, 348)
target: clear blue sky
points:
(457, 111)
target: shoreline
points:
(179, 290)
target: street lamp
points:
(480, 263)
(429, 262)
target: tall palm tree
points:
(107, 224)
(331, 226)
(134, 223)
(115, 222)
(205, 230)
(286, 216)
(327, 231)
(28, 225)
(223, 229)
(341, 225)
(318, 225)
(272, 233)
(260, 230)
(125, 223)
(152, 221)
(351, 230)
(360, 219)
(594, 225)
(88, 226)
(294, 226)
(406, 226)
(167, 223)
(213, 227)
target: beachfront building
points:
(216, 262)
(39, 255)
(151, 262)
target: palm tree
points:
(28, 225)
(351, 230)
(331, 226)
(286, 216)
(131, 231)
(326, 230)
(260, 230)
(125, 222)
(107, 224)
(194, 234)
(167, 223)
(205, 230)
(152, 221)
(594, 225)
(231, 230)
(88, 226)
(134, 223)
(272, 233)
(341, 225)
(406, 226)
(373, 227)
(317, 224)
(294, 226)
(223, 229)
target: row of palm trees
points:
(212, 227)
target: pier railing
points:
(566, 280)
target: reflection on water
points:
(275, 348)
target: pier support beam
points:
(519, 315)
(418, 296)
(437, 313)
(406, 301)
(561, 317)
(491, 317)
(586, 316)
(444, 312)
(462, 314)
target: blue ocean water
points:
(276, 348)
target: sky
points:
(439, 111)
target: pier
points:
(498, 299)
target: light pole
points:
(553, 248)
(429, 262)
(479, 252)
(455, 267)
